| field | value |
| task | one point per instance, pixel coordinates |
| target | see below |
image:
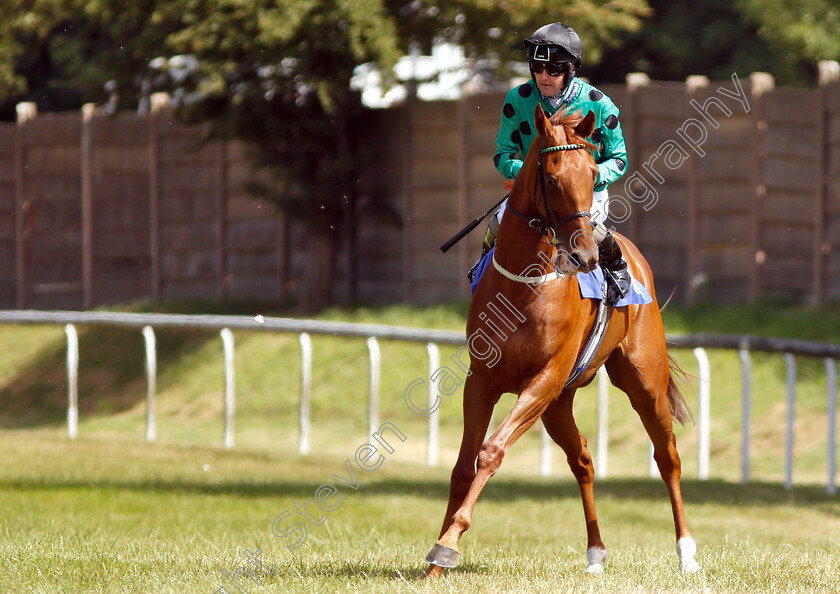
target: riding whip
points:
(470, 226)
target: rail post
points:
(373, 395)
(72, 380)
(744, 355)
(230, 390)
(831, 380)
(703, 414)
(545, 451)
(151, 381)
(790, 368)
(603, 412)
(434, 422)
(305, 390)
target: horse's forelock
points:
(569, 120)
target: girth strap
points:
(587, 353)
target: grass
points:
(174, 518)
(108, 512)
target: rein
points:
(544, 227)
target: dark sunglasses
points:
(553, 68)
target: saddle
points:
(592, 285)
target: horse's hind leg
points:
(478, 409)
(644, 374)
(560, 424)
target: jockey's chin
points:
(549, 85)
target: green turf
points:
(108, 512)
(102, 516)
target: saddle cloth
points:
(591, 284)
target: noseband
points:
(549, 226)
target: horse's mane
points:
(570, 119)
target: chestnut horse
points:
(554, 192)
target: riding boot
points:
(486, 245)
(615, 269)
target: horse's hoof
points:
(690, 566)
(686, 549)
(442, 556)
(595, 558)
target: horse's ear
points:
(544, 125)
(585, 128)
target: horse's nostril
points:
(581, 261)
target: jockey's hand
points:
(508, 185)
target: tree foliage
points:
(805, 28)
(719, 37)
(490, 28)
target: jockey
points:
(555, 53)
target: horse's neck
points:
(519, 246)
(520, 249)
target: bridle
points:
(550, 224)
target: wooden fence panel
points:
(791, 185)
(8, 201)
(659, 228)
(723, 199)
(51, 180)
(380, 250)
(829, 249)
(741, 186)
(121, 260)
(189, 234)
(252, 250)
(434, 170)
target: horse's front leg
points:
(479, 400)
(528, 408)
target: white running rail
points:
(742, 344)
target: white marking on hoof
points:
(686, 549)
(595, 558)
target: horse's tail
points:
(676, 399)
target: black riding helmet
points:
(556, 43)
